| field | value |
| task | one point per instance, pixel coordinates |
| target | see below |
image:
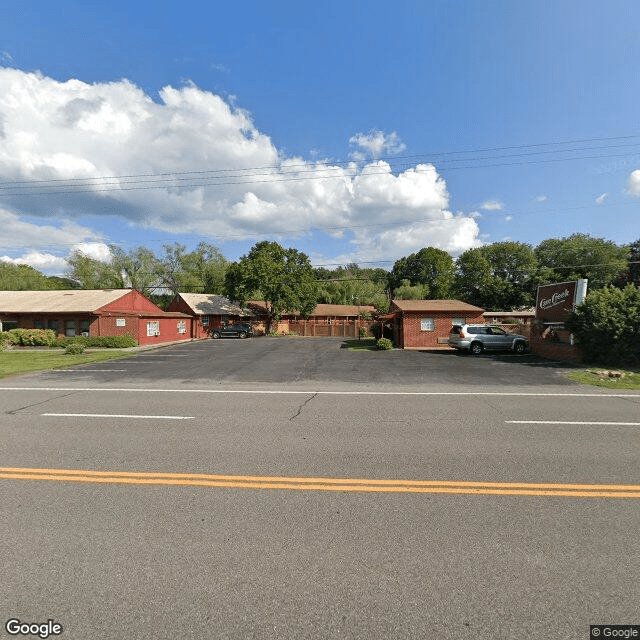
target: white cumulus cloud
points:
(193, 163)
(601, 198)
(376, 144)
(633, 183)
(492, 205)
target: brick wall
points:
(412, 335)
(554, 344)
(108, 326)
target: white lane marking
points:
(81, 370)
(333, 393)
(624, 424)
(114, 415)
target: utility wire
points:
(283, 173)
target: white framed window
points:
(182, 326)
(121, 322)
(427, 324)
(205, 321)
(153, 328)
(459, 321)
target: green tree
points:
(582, 256)
(138, 269)
(22, 277)
(430, 267)
(284, 278)
(353, 285)
(499, 277)
(199, 271)
(408, 291)
(92, 273)
(607, 326)
(630, 275)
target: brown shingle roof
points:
(331, 310)
(342, 309)
(436, 305)
(66, 301)
(206, 304)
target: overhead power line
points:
(313, 171)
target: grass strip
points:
(607, 378)
(13, 362)
(365, 344)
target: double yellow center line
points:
(324, 484)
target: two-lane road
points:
(210, 503)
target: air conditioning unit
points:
(85, 334)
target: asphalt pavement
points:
(290, 488)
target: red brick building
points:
(425, 324)
(93, 312)
(208, 311)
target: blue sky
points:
(353, 131)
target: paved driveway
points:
(326, 361)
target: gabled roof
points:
(206, 304)
(332, 310)
(507, 314)
(66, 301)
(342, 309)
(436, 306)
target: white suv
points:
(477, 338)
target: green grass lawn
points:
(23, 361)
(366, 344)
(599, 377)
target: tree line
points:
(501, 276)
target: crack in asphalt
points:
(302, 406)
(35, 404)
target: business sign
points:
(555, 301)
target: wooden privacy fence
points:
(339, 328)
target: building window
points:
(121, 322)
(84, 327)
(182, 326)
(427, 324)
(153, 328)
(39, 324)
(205, 321)
(70, 328)
(459, 321)
(54, 325)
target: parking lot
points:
(321, 361)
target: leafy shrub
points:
(74, 349)
(376, 329)
(32, 337)
(607, 326)
(4, 340)
(104, 342)
(384, 344)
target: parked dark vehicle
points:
(237, 330)
(477, 338)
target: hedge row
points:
(47, 338)
(105, 342)
(30, 337)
